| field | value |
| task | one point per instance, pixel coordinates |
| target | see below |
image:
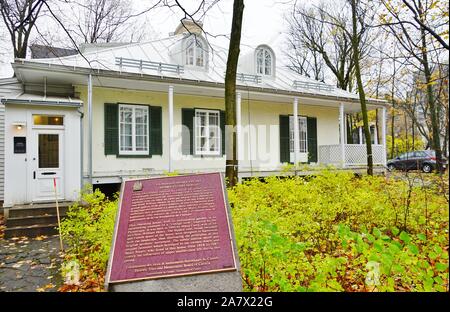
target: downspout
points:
(81, 149)
(90, 128)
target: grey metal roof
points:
(167, 53)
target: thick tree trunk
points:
(362, 95)
(231, 169)
(435, 139)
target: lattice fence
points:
(355, 154)
(330, 154)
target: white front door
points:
(47, 164)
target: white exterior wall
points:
(106, 169)
(18, 172)
(8, 87)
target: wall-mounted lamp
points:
(19, 124)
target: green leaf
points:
(405, 237)
(441, 267)
(437, 249)
(395, 231)
(378, 246)
(438, 280)
(432, 255)
(413, 248)
(422, 237)
(376, 232)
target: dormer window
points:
(264, 61)
(195, 52)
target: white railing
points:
(354, 154)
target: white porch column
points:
(375, 134)
(238, 128)
(383, 134)
(90, 120)
(170, 127)
(342, 132)
(296, 132)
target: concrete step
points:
(37, 210)
(31, 231)
(32, 220)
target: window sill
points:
(133, 156)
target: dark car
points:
(417, 160)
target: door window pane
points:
(48, 153)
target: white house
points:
(146, 109)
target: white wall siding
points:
(8, 88)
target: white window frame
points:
(197, 150)
(133, 130)
(265, 52)
(196, 46)
(302, 135)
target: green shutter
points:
(312, 139)
(222, 130)
(284, 139)
(111, 129)
(187, 120)
(155, 130)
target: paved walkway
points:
(29, 264)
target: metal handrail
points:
(142, 64)
(312, 85)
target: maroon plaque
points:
(171, 226)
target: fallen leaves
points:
(44, 288)
(2, 226)
(40, 237)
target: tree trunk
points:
(406, 134)
(362, 95)
(435, 135)
(231, 169)
(349, 129)
(392, 130)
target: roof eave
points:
(21, 63)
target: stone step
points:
(37, 210)
(32, 220)
(31, 231)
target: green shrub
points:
(87, 232)
(321, 233)
(287, 229)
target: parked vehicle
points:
(416, 160)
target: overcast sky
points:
(264, 22)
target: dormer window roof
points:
(265, 61)
(196, 52)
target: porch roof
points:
(35, 99)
